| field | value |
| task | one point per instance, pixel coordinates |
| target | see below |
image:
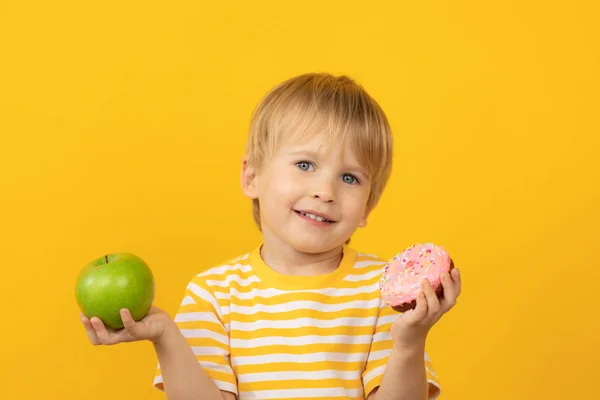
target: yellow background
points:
(122, 125)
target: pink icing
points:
(400, 281)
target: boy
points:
(300, 316)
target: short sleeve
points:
(381, 347)
(200, 319)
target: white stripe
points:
(220, 384)
(240, 258)
(226, 386)
(300, 340)
(363, 277)
(432, 373)
(367, 255)
(223, 295)
(205, 295)
(368, 263)
(299, 358)
(204, 333)
(197, 316)
(377, 355)
(382, 336)
(427, 357)
(306, 305)
(221, 269)
(301, 393)
(216, 367)
(387, 319)
(208, 351)
(332, 292)
(301, 322)
(292, 375)
(233, 278)
(373, 374)
(187, 300)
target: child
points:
(299, 316)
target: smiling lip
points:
(315, 216)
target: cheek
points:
(282, 190)
(355, 204)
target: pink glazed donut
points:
(399, 282)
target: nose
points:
(325, 192)
(324, 197)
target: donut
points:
(400, 279)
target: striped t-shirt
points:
(264, 335)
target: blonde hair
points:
(322, 103)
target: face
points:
(311, 198)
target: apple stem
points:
(106, 258)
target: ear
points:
(363, 220)
(248, 179)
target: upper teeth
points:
(315, 217)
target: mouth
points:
(315, 217)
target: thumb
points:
(135, 329)
(419, 312)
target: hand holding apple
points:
(112, 283)
(151, 327)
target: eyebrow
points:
(304, 153)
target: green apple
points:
(112, 282)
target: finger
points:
(449, 292)
(433, 303)
(457, 280)
(89, 330)
(131, 327)
(101, 331)
(420, 311)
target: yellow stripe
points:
(206, 342)
(294, 366)
(212, 326)
(357, 330)
(306, 349)
(261, 285)
(214, 359)
(303, 313)
(318, 297)
(220, 376)
(382, 345)
(299, 384)
(377, 363)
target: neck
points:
(286, 260)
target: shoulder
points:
(365, 270)
(221, 274)
(367, 262)
(365, 257)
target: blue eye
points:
(350, 179)
(304, 165)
